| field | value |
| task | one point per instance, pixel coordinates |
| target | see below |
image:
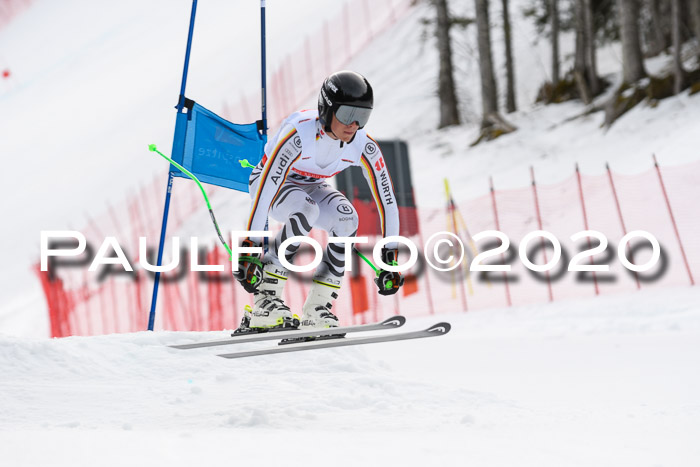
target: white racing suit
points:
(290, 185)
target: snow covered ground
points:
(606, 382)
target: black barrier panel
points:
(352, 183)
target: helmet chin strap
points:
(330, 132)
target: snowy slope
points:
(610, 381)
(606, 382)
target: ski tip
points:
(440, 328)
(394, 322)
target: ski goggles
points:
(347, 114)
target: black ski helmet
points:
(345, 88)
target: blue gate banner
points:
(212, 148)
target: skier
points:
(289, 185)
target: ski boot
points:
(269, 311)
(317, 312)
(317, 308)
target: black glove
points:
(250, 269)
(387, 281)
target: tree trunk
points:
(632, 62)
(678, 73)
(657, 39)
(449, 114)
(489, 102)
(686, 21)
(510, 72)
(555, 42)
(591, 62)
(695, 16)
(580, 57)
(694, 6)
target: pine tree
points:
(489, 101)
(449, 113)
(678, 72)
(632, 62)
(554, 19)
(510, 72)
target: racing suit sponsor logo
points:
(283, 162)
(386, 188)
(371, 149)
(328, 101)
(345, 209)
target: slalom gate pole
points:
(166, 208)
(263, 90)
(263, 68)
(181, 100)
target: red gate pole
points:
(673, 220)
(431, 306)
(498, 227)
(88, 298)
(619, 213)
(539, 224)
(428, 291)
(585, 224)
(142, 276)
(101, 286)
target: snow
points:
(607, 381)
(611, 380)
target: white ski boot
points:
(317, 308)
(269, 310)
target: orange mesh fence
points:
(85, 303)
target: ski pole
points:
(389, 284)
(152, 147)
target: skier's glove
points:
(387, 281)
(250, 269)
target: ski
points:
(389, 323)
(439, 329)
